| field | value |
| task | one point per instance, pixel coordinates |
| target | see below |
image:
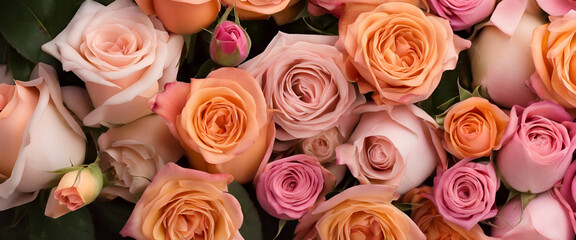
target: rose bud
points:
(230, 44)
(76, 189)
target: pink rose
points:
(398, 146)
(123, 56)
(302, 80)
(135, 152)
(288, 187)
(359, 212)
(566, 193)
(500, 57)
(542, 218)
(463, 14)
(183, 203)
(538, 142)
(230, 44)
(222, 122)
(322, 146)
(557, 7)
(39, 135)
(466, 192)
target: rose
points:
(135, 152)
(182, 17)
(397, 51)
(337, 8)
(557, 7)
(359, 212)
(222, 122)
(551, 53)
(230, 44)
(466, 192)
(123, 56)
(542, 218)
(288, 187)
(473, 128)
(426, 216)
(258, 9)
(76, 189)
(463, 14)
(302, 79)
(398, 146)
(185, 203)
(501, 60)
(38, 136)
(566, 193)
(538, 142)
(322, 146)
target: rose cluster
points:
(462, 110)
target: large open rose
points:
(301, 77)
(360, 212)
(398, 52)
(39, 135)
(222, 122)
(123, 56)
(183, 203)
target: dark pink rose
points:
(466, 192)
(462, 14)
(288, 187)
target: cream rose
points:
(135, 152)
(222, 122)
(398, 51)
(183, 203)
(38, 136)
(123, 56)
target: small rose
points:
(230, 44)
(322, 146)
(183, 203)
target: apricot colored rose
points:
(222, 122)
(473, 128)
(397, 51)
(182, 16)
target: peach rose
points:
(38, 136)
(183, 203)
(222, 122)
(552, 53)
(123, 56)
(322, 146)
(135, 152)
(360, 212)
(398, 51)
(182, 16)
(473, 128)
(258, 9)
(426, 216)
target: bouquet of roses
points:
(288, 119)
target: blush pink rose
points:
(557, 7)
(393, 145)
(289, 187)
(123, 56)
(359, 212)
(39, 135)
(542, 218)
(322, 146)
(182, 203)
(538, 142)
(566, 193)
(222, 122)
(463, 14)
(465, 194)
(135, 152)
(303, 82)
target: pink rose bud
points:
(230, 44)
(76, 189)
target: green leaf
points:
(19, 66)
(110, 217)
(463, 93)
(28, 24)
(281, 225)
(251, 226)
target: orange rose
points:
(258, 9)
(398, 51)
(473, 128)
(182, 17)
(426, 216)
(222, 122)
(552, 50)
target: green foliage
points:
(251, 226)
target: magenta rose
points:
(288, 187)
(302, 80)
(462, 14)
(465, 193)
(538, 142)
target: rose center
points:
(367, 229)
(380, 152)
